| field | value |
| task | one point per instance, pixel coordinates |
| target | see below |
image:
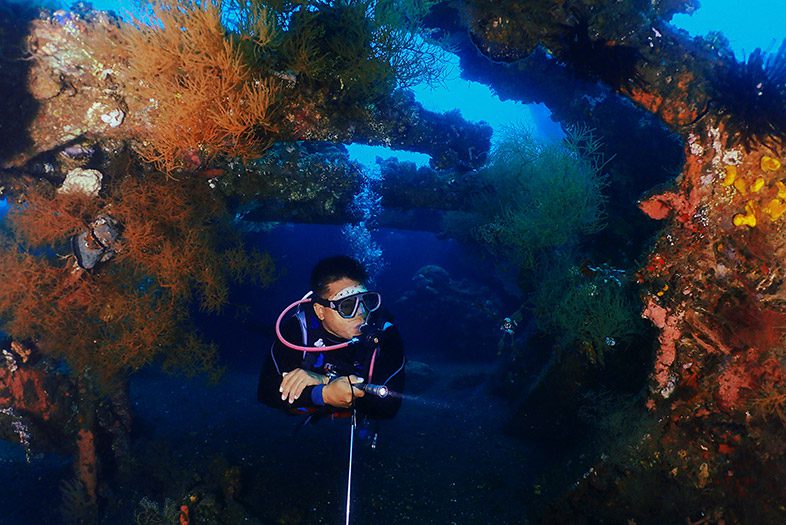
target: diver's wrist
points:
(317, 396)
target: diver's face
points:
(334, 323)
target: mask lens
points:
(371, 301)
(346, 308)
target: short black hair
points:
(331, 269)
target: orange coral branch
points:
(205, 98)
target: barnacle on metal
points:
(750, 97)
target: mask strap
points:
(349, 290)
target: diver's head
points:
(341, 300)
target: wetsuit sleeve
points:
(388, 370)
(281, 359)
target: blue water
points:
(757, 24)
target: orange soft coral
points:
(124, 312)
(44, 217)
(204, 97)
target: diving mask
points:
(347, 307)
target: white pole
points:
(351, 447)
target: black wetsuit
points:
(354, 359)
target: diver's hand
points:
(295, 381)
(340, 392)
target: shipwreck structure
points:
(712, 283)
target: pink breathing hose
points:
(299, 348)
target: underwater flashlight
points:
(376, 390)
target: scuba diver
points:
(508, 328)
(339, 353)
